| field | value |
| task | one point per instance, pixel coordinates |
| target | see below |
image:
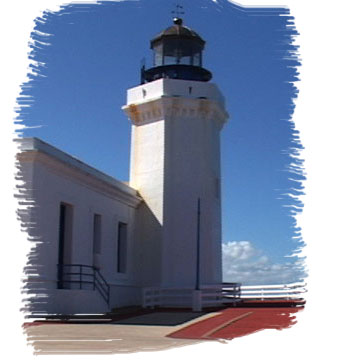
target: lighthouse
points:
(177, 115)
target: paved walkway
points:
(157, 330)
(122, 336)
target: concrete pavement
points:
(124, 336)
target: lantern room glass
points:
(178, 52)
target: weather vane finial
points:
(177, 13)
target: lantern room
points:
(177, 53)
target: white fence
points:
(263, 292)
(155, 296)
(210, 295)
(217, 295)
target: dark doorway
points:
(65, 242)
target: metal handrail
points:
(96, 278)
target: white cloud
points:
(243, 263)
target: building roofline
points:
(36, 144)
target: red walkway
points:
(236, 322)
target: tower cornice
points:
(165, 98)
(168, 107)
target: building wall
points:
(55, 182)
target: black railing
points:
(83, 277)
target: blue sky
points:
(94, 55)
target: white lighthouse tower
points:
(177, 116)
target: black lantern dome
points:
(177, 55)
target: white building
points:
(102, 243)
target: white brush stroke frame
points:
(315, 117)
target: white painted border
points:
(315, 117)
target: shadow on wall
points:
(148, 235)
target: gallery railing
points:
(83, 277)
